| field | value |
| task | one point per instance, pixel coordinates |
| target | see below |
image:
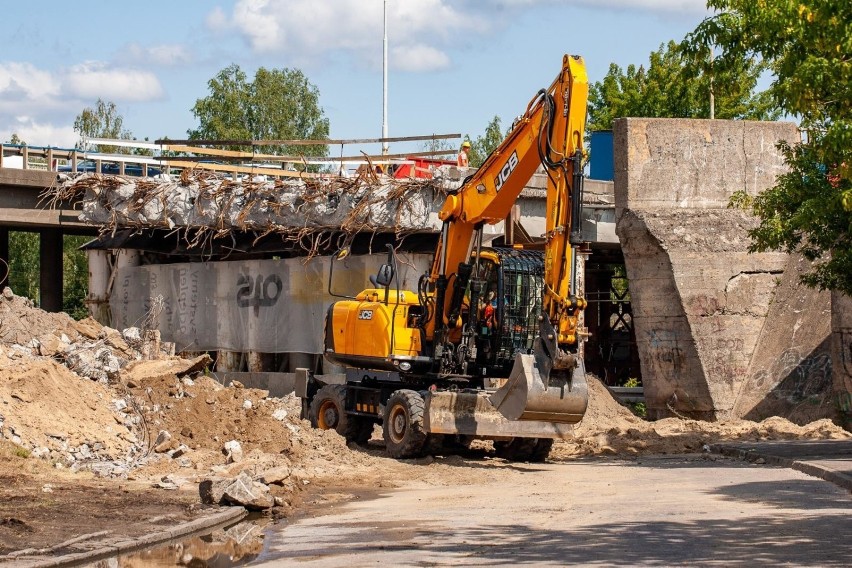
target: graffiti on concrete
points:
(663, 352)
(798, 376)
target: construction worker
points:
(463, 161)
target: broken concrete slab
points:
(248, 493)
(212, 490)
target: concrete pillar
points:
(50, 251)
(302, 361)
(127, 257)
(97, 299)
(4, 257)
(229, 361)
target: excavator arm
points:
(550, 133)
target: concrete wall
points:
(722, 333)
(841, 355)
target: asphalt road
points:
(651, 511)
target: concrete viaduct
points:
(20, 210)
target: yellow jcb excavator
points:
(487, 346)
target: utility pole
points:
(385, 82)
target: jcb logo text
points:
(507, 170)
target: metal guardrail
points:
(628, 394)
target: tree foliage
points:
(808, 46)
(678, 83)
(279, 104)
(25, 270)
(485, 144)
(24, 264)
(15, 139)
(102, 121)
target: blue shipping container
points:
(601, 166)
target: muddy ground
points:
(103, 433)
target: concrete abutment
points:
(722, 333)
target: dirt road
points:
(656, 510)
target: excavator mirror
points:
(385, 275)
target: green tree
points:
(678, 83)
(279, 104)
(485, 144)
(808, 47)
(102, 121)
(24, 264)
(75, 277)
(15, 139)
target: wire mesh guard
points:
(521, 284)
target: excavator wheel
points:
(516, 449)
(403, 429)
(328, 412)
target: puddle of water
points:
(225, 547)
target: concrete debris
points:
(212, 490)
(248, 493)
(280, 414)
(233, 451)
(162, 438)
(275, 476)
(247, 404)
(202, 200)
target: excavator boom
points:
(548, 384)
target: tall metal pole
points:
(385, 82)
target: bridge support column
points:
(4, 257)
(50, 250)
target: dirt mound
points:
(52, 412)
(610, 428)
(201, 416)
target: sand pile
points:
(610, 428)
(55, 414)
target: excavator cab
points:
(509, 341)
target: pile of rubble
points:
(118, 404)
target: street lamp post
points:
(385, 81)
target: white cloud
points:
(419, 58)
(217, 20)
(308, 30)
(659, 6)
(92, 80)
(420, 32)
(24, 80)
(39, 133)
(167, 55)
(40, 105)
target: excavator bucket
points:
(527, 395)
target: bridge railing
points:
(174, 156)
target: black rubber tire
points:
(403, 429)
(541, 450)
(516, 449)
(328, 412)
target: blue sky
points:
(454, 64)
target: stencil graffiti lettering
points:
(258, 291)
